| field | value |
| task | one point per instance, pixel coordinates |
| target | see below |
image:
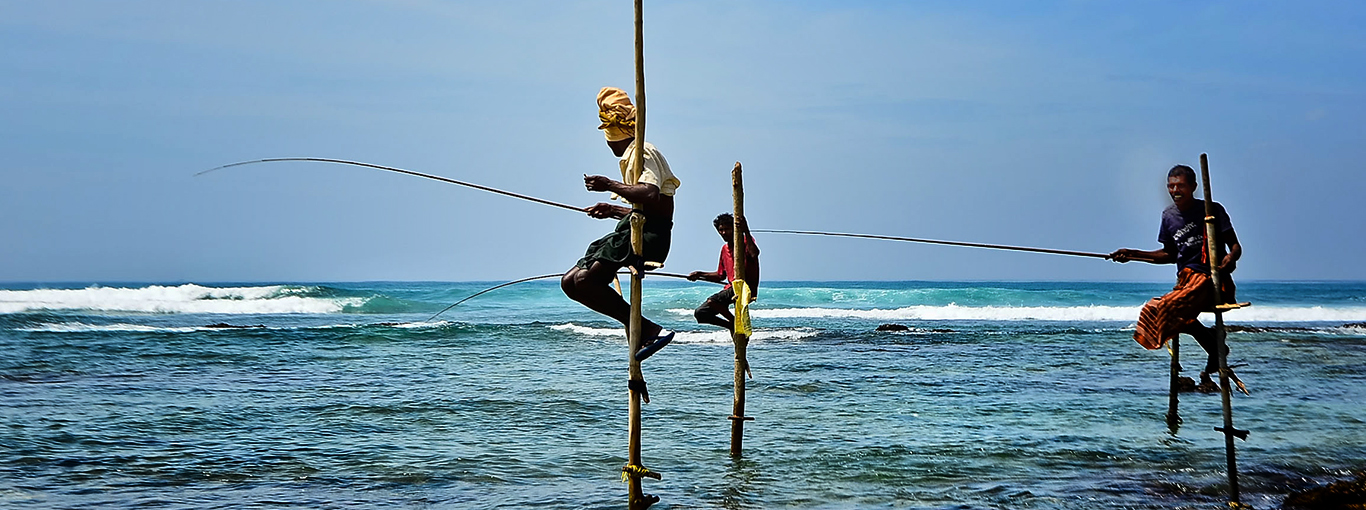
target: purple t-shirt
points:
(1183, 233)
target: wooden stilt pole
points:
(739, 245)
(634, 469)
(1174, 419)
(1212, 247)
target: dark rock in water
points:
(1342, 495)
(1207, 386)
(1360, 325)
(899, 327)
(1233, 328)
(224, 325)
(1185, 384)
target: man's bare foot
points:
(1206, 384)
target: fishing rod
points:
(541, 277)
(935, 241)
(402, 171)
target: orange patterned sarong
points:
(1165, 317)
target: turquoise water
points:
(1001, 395)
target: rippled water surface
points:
(1001, 395)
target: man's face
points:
(1181, 190)
(725, 230)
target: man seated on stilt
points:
(1182, 235)
(589, 281)
(716, 309)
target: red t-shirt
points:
(727, 264)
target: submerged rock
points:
(899, 327)
(224, 325)
(1185, 384)
(1341, 495)
(1234, 328)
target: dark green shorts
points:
(615, 248)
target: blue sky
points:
(1046, 124)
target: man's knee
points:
(702, 313)
(569, 283)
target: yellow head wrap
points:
(617, 114)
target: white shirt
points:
(656, 171)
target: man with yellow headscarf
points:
(651, 191)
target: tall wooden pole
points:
(634, 470)
(739, 253)
(1174, 419)
(1212, 250)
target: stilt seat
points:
(1232, 306)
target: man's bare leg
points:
(708, 315)
(592, 287)
(716, 313)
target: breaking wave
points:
(187, 298)
(82, 327)
(717, 336)
(953, 312)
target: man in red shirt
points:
(716, 309)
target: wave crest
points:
(186, 298)
(1094, 313)
(717, 336)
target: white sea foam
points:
(187, 298)
(716, 336)
(953, 312)
(587, 331)
(422, 325)
(81, 327)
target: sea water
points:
(345, 395)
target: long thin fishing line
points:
(402, 171)
(936, 241)
(540, 277)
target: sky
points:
(1042, 123)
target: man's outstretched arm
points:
(645, 194)
(602, 210)
(1152, 257)
(711, 276)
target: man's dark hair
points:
(1185, 171)
(723, 219)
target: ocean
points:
(343, 395)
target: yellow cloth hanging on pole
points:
(742, 299)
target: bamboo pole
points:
(637, 499)
(739, 253)
(1174, 419)
(635, 470)
(1212, 249)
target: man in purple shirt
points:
(1182, 235)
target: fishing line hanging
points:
(935, 241)
(402, 171)
(540, 277)
(582, 209)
